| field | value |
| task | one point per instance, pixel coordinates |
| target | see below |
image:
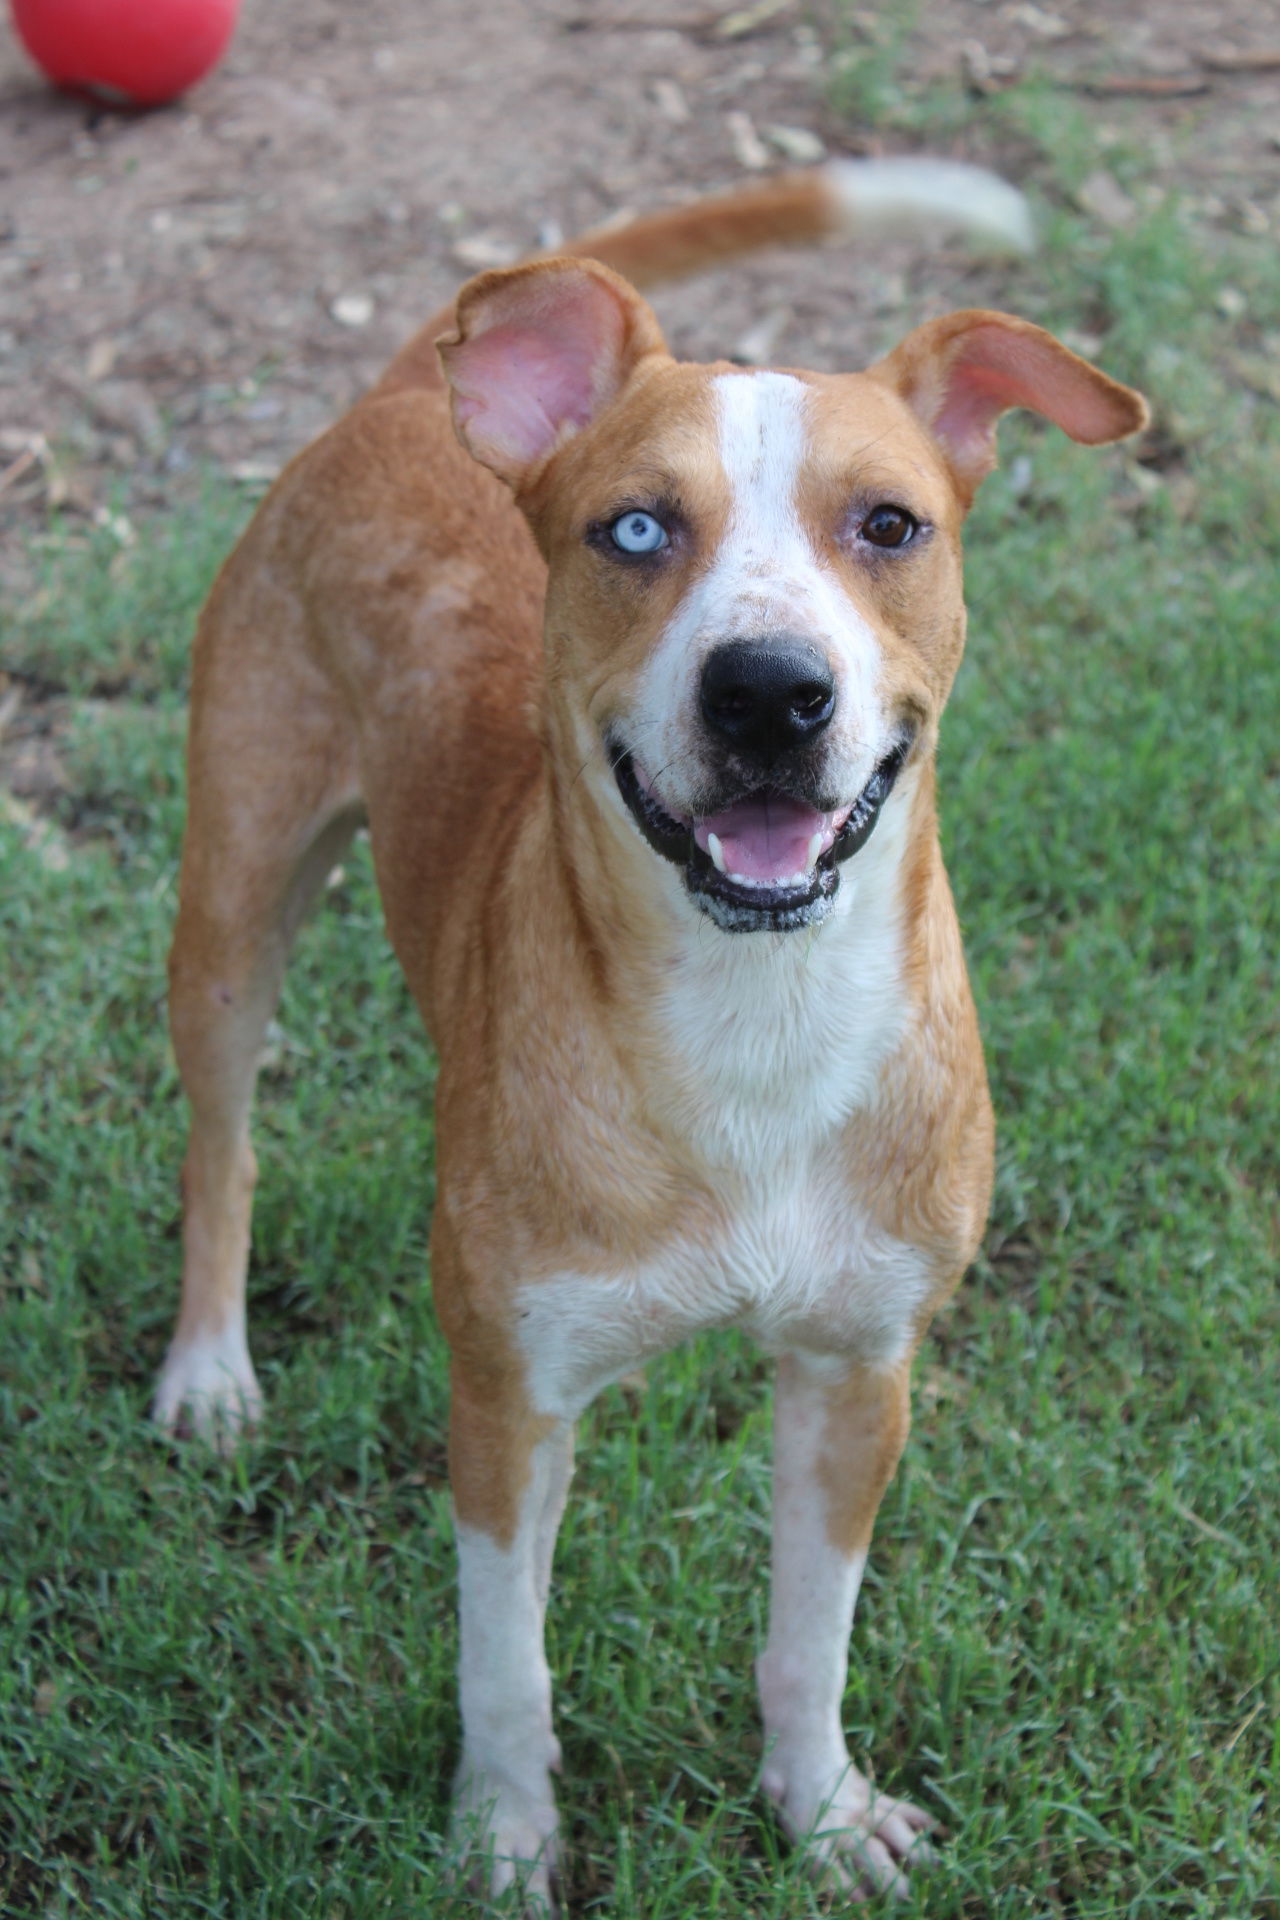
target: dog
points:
(635, 671)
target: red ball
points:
(136, 53)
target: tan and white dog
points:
(635, 670)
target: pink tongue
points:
(766, 837)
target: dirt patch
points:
(208, 285)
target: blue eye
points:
(638, 533)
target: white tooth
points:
(716, 851)
(815, 851)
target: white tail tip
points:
(906, 196)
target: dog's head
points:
(754, 610)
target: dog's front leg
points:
(510, 1474)
(838, 1435)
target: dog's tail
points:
(849, 199)
(840, 199)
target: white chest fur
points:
(766, 1043)
(763, 1047)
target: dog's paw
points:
(858, 1840)
(505, 1838)
(207, 1388)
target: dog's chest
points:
(760, 1058)
(763, 1047)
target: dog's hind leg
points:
(273, 801)
(838, 1436)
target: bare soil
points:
(207, 285)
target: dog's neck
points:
(757, 1045)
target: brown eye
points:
(887, 526)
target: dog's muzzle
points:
(768, 861)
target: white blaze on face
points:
(762, 448)
(767, 578)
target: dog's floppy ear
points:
(539, 350)
(960, 373)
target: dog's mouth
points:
(769, 861)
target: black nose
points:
(767, 695)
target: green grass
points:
(228, 1690)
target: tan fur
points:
(393, 639)
(868, 1415)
